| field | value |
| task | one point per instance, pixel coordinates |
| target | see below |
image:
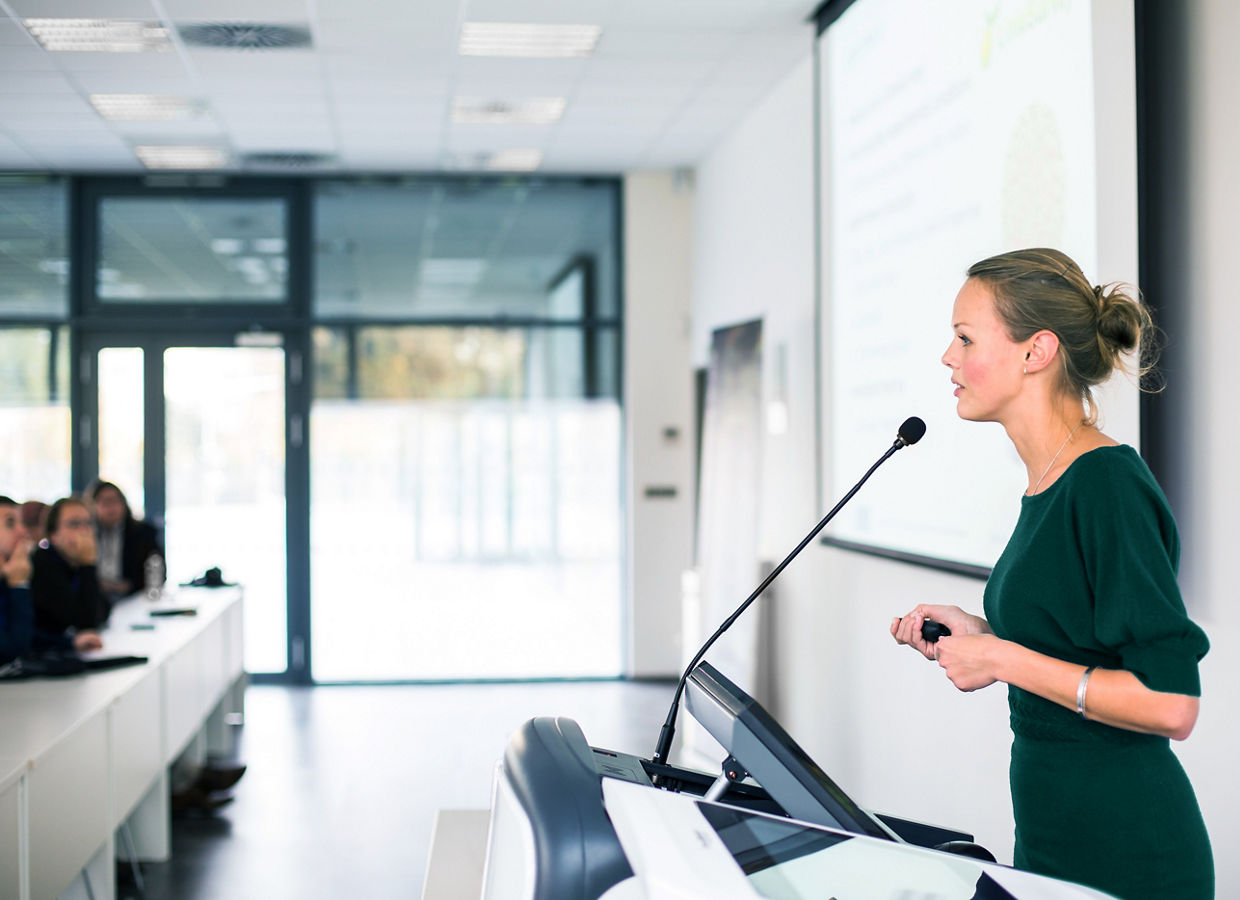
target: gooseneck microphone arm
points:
(910, 433)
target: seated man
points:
(124, 543)
(16, 613)
(64, 586)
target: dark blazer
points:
(65, 596)
(16, 622)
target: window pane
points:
(475, 495)
(459, 363)
(34, 415)
(180, 249)
(427, 247)
(122, 423)
(225, 467)
(34, 264)
(331, 363)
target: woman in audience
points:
(64, 584)
(124, 543)
(16, 613)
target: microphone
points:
(909, 433)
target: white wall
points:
(658, 395)
(882, 721)
(1206, 447)
(878, 718)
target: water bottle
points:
(153, 576)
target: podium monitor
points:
(772, 757)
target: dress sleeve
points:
(1131, 553)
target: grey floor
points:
(343, 782)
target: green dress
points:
(1089, 576)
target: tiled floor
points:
(343, 782)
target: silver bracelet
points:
(1080, 691)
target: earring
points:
(1026, 370)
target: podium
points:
(574, 822)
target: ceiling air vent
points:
(286, 159)
(244, 35)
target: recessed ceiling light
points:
(513, 39)
(534, 111)
(99, 35)
(172, 157)
(144, 107)
(516, 160)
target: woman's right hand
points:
(907, 629)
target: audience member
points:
(34, 519)
(64, 584)
(16, 612)
(124, 543)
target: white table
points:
(458, 853)
(81, 756)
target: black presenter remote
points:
(932, 631)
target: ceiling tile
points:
(84, 9)
(107, 82)
(268, 11)
(67, 105)
(430, 14)
(282, 136)
(154, 67)
(13, 155)
(382, 76)
(666, 43)
(203, 129)
(565, 12)
(237, 65)
(37, 83)
(12, 34)
(376, 71)
(394, 35)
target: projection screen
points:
(949, 132)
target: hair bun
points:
(1119, 319)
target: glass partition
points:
(122, 422)
(34, 413)
(34, 255)
(181, 249)
(462, 514)
(416, 248)
(225, 481)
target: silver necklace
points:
(1055, 457)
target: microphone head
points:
(911, 431)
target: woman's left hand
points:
(969, 660)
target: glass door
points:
(194, 431)
(224, 465)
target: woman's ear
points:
(1041, 350)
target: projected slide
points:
(949, 132)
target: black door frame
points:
(156, 325)
(296, 471)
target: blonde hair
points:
(1041, 289)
